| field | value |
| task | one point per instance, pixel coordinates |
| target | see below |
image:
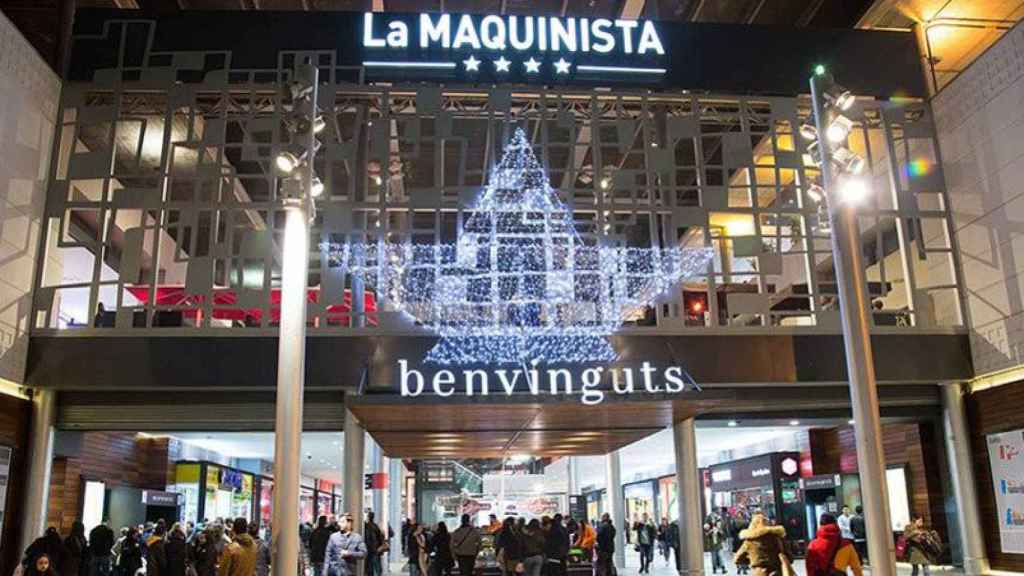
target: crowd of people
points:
(536, 547)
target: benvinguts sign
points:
(591, 384)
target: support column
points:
(395, 481)
(616, 505)
(688, 497)
(961, 467)
(44, 414)
(375, 459)
(574, 476)
(355, 446)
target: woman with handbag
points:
(923, 546)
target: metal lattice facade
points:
(163, 202)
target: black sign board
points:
(158, 498)
(578, 507)
(823, 482)
(698, 57)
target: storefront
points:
(641, 498)
(213, 491)
(769, 484)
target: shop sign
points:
(723, 475)
(591, 384)
(1006, 457)
(759, 472)
(503, 44)
(789, 466)
(157, 498)
(826, 482)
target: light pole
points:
(843, 189)
(298, 187)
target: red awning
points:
(225, 304)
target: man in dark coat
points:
(101, 542)
(606, 547)
(556, 547)
(318, 545)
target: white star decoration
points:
(501, 65)
(532, 66)
(472, 64)
(561, 66)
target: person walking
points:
(829, 553)
(418, 550)
(663, 548)
(739, 523)
(923, 546)
(156, 552)
(466, 545)
(262, 551)
(860, 537)
(441, 552)
(844, 523)
(318, 545)
(672, 538)
(533, 548)
(101, 545)
(345, 549)
(129, 554)
(240, 556)
(606, 547)
(764, 547)
(176, 551)
(713, 538)
(78, 551)
(646, 534)
(510, 547)
(556, 547)
(375, 545)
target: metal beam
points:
(752, 13)
(632, 9)
(809, 13)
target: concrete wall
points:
(29, 93)
(980, 121)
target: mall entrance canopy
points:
(432, 427)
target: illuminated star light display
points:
(520, 285)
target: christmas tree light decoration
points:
(519, 284)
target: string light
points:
(520, 284)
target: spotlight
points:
(319, 124)
(316, 188)
(697, 306)
(814, 152)
(378, 180)
(287, 162)
(849, 161)
(819, 70)
(808, 131)
(839, 129)
(605, 183)
(840, 97)
(816, 193)
(853, 190)
(298, 90)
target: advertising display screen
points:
(1006, 457)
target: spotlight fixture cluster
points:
(299, 184)
(842, 169)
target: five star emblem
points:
(501, 64)
(532, 66)
(472, 64)
(561, 66)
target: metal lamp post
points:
(854, 306)
(297, 197)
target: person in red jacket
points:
(829, 554)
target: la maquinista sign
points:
(523, 46)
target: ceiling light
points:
(287, 162)
(794, 422)
(819, 70)
(605, 183)
(839, 130)
(850, 421)
(316, 188)
(733, 423)
(808, 131)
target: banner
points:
(1006, 458)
